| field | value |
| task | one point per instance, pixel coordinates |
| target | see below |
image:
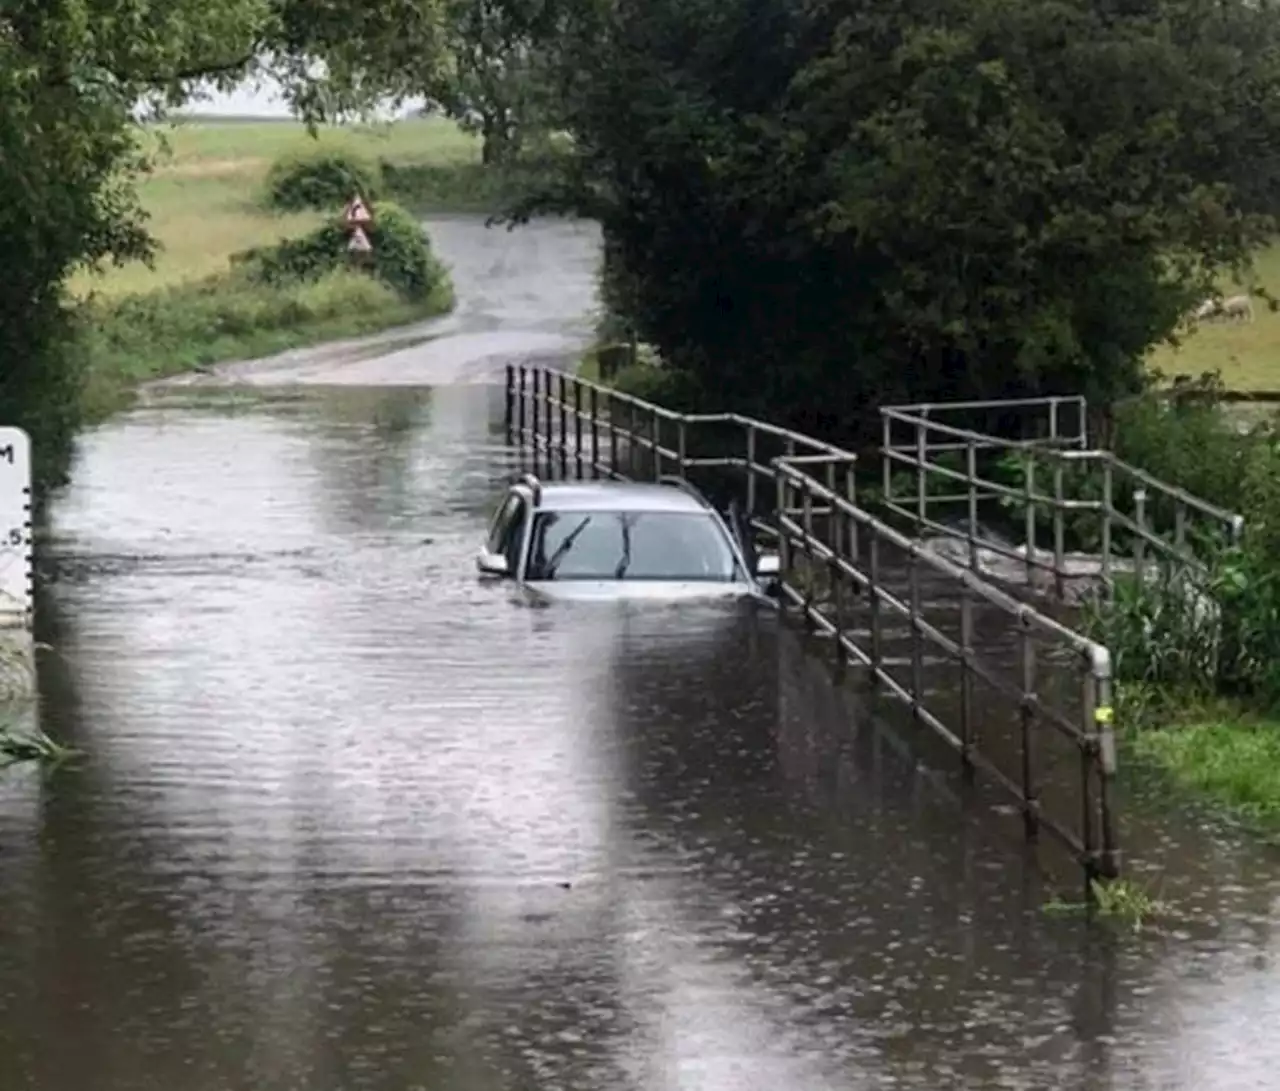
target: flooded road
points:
(348, 820)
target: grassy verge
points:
(205, 203)
(133, 339)
(1227, 758)
(1247, 353)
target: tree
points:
(820, 208)
(71, 75)
(497, 85)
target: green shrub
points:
(401, 257)
(322, 179)
(1161, 631)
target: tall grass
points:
(140, 337)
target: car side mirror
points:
(491, 564)
(768, 565)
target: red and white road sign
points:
(356, 214)
(359, 241)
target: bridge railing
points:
(1080, 512)
(591, 430)
(1018, 696)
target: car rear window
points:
(629, 545)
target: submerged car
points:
(616, 539)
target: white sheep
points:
(1238, 306)
(1207, 309)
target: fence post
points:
(851, 494)
(655, 433)
(536, 413)
(810, 568)
(922, 483)
(886, 462)
(971, 472)
(1059, 528)
(577, 426)
(1180, 526)
(593, 408)
(563, 414)
(967, 720)
(917, 638)
(1105, 747)
(1108, 510)
(682, 441)
(520, 403)
(1029, 488)
(835, 577)
(784, 542)
(508, 413)
(751, 471)
(1026, 723)
(873, 596)
(612, 400)
(1139, 540)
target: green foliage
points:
(401, 257)
(1118, 901)
(824, 208)
(72, 77)
(1218, 633)
(498, 85)
(1235, 761)
(140, 337)
(17, 747)
(464, 186)
(323, 179)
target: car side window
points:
(513, 535)
(501, 522)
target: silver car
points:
(614, 539)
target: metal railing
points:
(1081, 512)
(587, 429)
(1017, 695)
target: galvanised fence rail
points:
(1082, 514)
(1015, 694)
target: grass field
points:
(1247, 353)
(205, 202)
(204, 195)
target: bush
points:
(401, 257)
(1222, 636)
(321, 180)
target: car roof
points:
(617, 496)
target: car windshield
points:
(628, 545)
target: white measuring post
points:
(17, 579)
(17, 570)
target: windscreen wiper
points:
(564, 547)
(625, 562)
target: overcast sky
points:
(249, 101)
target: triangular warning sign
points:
(359, 241)
(356, 212)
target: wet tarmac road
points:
(349, 820)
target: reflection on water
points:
(350, 820)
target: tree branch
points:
(199, 72)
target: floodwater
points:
(348, 820)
